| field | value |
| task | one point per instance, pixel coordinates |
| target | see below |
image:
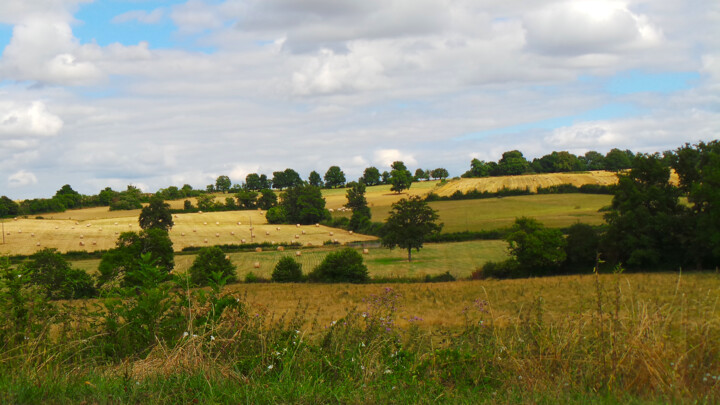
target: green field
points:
(460, 259)
(553, 210)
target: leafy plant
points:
(287, 270)
(343, 266)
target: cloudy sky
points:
(165, 92)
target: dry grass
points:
(441, 305)
(531, 181)
(215, 227)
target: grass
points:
(460, 259)
(626, 338)
(553, 210)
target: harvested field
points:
(531, 181)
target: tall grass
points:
(628, 349)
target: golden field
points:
(25, 236)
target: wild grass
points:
(634, 338)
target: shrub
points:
(211, 260)
(251, 277)
(287, 270)
(582, 245)
(343, 266)
(499, 270)
(276, 215)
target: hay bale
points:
(217, 235)
(232, 233)
(267, 232)
(331, 210)
(252, 227)
(317, 225)
(297, 236)
(256, 265)
(194, 230)
(277, 228)
(303, 232)
(182, 234)
(280, 248)
(205, 240)
(258, 249)
(99, 229)
(204, 223)
(217, 223)
(32, 235)
(82, 243)
(297, 225)
(332, 233)
(115, 223)
(350, 232)
(242, 240)
(239, 223)
(366, 251)
(37, 244)
(94, 243)
(82, 236)
(199, 212)
(298, 253)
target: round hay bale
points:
(277, 228)
(331, 210)
(332, 233)
(99, 229)
(94, 243)
(217, 223)
(199, 212)
(194, 230)
(280, 248)
(32, 235)
(82, 236)
(204, 223)
(217, 235)
(252, 227)
(239, 223)
(297, 236)
(182, 234)
(267, 232)
(303, 232)
(258, 249)
(205, 240)
(298, 253)
(242, 240)
(366, 251)
(115, 223)
(227, 257)
(335, 241)
(57, 227)
(232, 233)
(37, 244)
(317, 225)
(350, 232)
(82, 243)
(297, 225)
(19, 230)
(256, 265)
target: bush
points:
(287, 270)
(251, 277)
(499, 270)
(276, 215)
(211, 260)
(343, 266)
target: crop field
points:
(378, 196)
(25, 236)
(460, 259)
(531, 181)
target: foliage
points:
(256, 182)
(304, 204)
(268, 199)
(247, 199)
(357, 202)
(616, 160)
(49, 270)
(223, 183)
(276, 215)
(156, 215)
(698, 167)
(342, 266)
(537, 250)
(285, 179)
(8, 207)
(400, 177)
(208, 261)
(287, 270)
(582, 247)
(371, 176)
(647, 221)
(314, 179)
(512, 163)
(410, 222)
(439, 173)
(121, 262)
(558, 162)
(334, 177)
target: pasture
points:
(460, 259)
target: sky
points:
(156, 93)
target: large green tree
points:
(512, 163)
(156, 215)
(410, 222)
(400, 177)
(334, 177)
(536, 250)
(304, 204)
(208, 261)
(371, 176)
(223, 183)
(49, 269)
(647, 223)
(314, 179)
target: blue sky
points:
(157, 93)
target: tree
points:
(410, 222)
(478, 168)
(647, 221)
(536, 250)
(698, 167)
(125, 257)
(253, 182)
(206, 202)
(371, 176)
(334, 177)
(223, 184)
(276, 215)
(8, 207)
(558, 162)
(247, 199)
(400, 177)
(208, 261)
(343, 266)
(49, 270)
(357, 202)
(617, 160)
(156, 215)
(582, 247)
(285, 179)
(304, 204)
(69, 197)
(594, 160)
(439, 173)
(385, 177)
(287, 270)
(314, 179)
(513, 163)
(419, 174)
(268, 199)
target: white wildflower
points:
(270, 367)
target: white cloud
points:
(22, 178)
(27, 120)
(588, 27)
(141, 16)
(385, 157)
